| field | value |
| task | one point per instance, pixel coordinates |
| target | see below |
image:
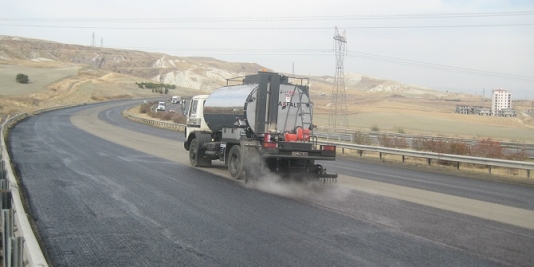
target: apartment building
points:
(501, 100)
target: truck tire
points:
(235, 163)
(196, 155)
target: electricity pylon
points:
(338, 108)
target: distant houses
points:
(507, 112)
(473, 110)
(464, 109)
(501, 105)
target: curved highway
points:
(105, 191)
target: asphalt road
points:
(105, 191)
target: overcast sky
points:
(470, 46)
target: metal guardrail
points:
(43, 110)
(439, 156)
(31, 251)
(161, 124)
(385, 150)
(373, 138)
(335, 136)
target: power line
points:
(221, 51)
(298, 18)
(438, 66)
(270, 28)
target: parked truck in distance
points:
(263, 123)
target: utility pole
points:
(338, 108)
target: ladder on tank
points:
(304, 110)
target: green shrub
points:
(145, 108)
(392, 141)
(179, 118)
(459, 148)
(361, 138)
(487, 148)
(153, 86)
(519, 155)
(22, 78)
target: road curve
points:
(105, 191)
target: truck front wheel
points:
(196, 155)
(235, 163)
(193, 152)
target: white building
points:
(502, 99)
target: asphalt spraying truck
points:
(255, 124)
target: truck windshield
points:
(193, 108)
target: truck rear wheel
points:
(235, 163)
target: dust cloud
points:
(303, 190)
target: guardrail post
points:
(17, 248)
(360, 152)
(342, 150)
(7, 233)
(458, 165)
(528, 173)
(403, 158)
(6, 199)
(2, 170)
(429, 161)
(380, 155)
(489, 169)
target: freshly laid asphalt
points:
(105, 191)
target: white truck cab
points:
(195, 116)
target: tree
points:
(22, 78)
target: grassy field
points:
(434, 116)
(438, 124)
(62, 85)
(39, 78)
